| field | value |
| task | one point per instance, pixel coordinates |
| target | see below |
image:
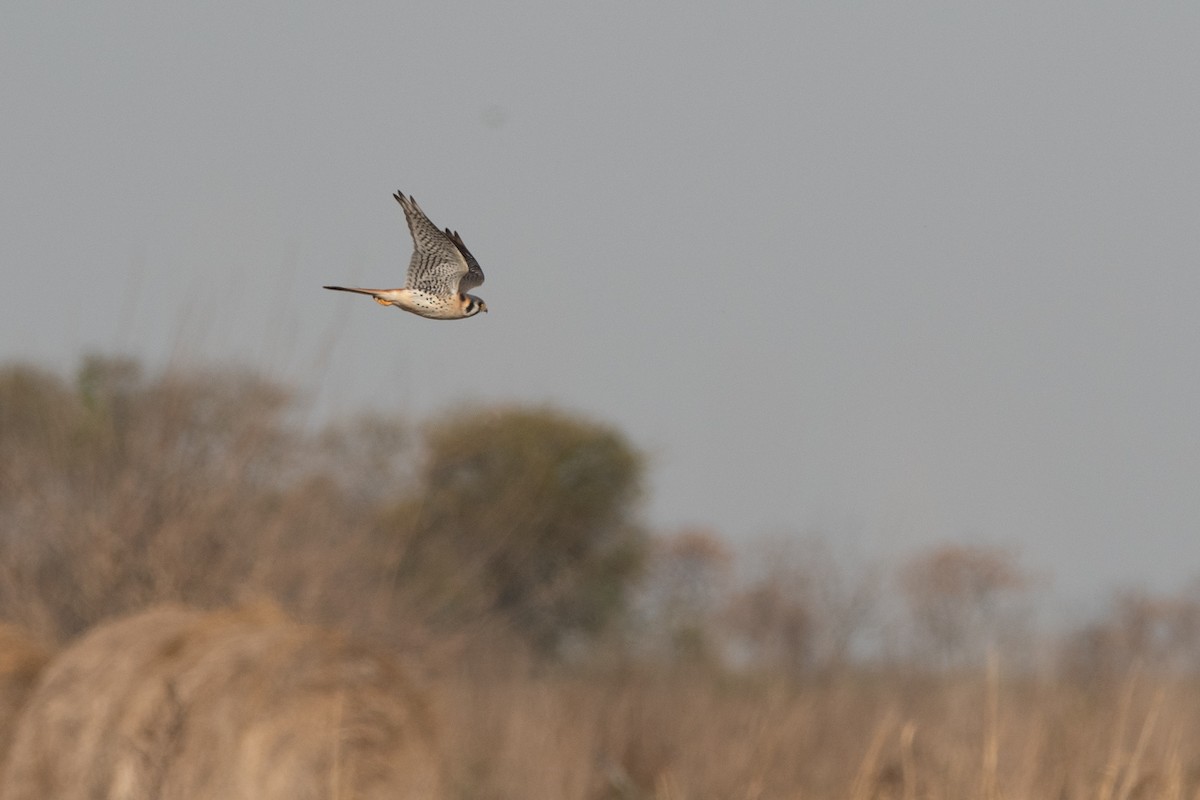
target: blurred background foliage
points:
(122, 488)
(502, 552)
(529, 514)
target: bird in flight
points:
(440, 273)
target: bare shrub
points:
(1158, 631)
(803, 608)
(684, 590)
(174, 703)
(961, 597)
(126, 491)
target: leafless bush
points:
(962, 598)
(684, 591)
(174, 703)
(124, 491)
(804, 607)
(1159, 632)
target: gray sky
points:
(905, 272)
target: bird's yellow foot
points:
(381, 301)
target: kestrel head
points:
(471, 305)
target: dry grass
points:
(22, 659)
(173, 703)
(695, 735)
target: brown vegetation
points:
(197, 486)
(523, 515)
(668, 734)
(179, 704)
(21, 661)
(564, 651)
(956, 596)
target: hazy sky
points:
(904, 272)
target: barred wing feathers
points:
(437, 265)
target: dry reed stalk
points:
(1034, 745)
(173, 704)
(908, 765)
(1173, 790)
(865, 778)
(667, 787)
(1116, 758)
(990, 789)
(1139, 750)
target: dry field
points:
(173, 703)
(200, 598)
(178, 704)
(689, 735)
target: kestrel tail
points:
(440, 272)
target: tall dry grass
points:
(172, 703)
(693, 734)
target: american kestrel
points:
(441, 271)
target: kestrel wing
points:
(436, 265)
(474, 275)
